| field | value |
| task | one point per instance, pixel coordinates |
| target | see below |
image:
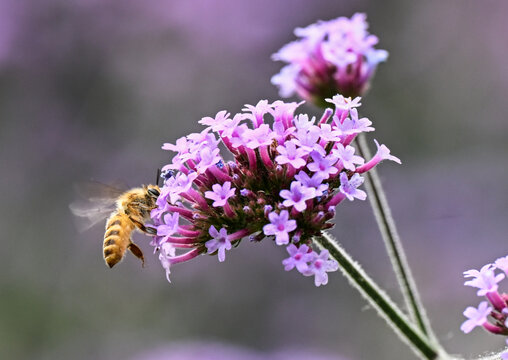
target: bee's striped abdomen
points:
(116, 238)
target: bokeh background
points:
(91, 89)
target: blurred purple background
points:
(91, 89)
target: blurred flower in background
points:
(335, 56)
(221, 351)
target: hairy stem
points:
(393, 244)
(386, 308)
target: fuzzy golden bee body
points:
(132, 211)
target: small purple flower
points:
(316, 182)
(207, 157)
(157, 213)
(180, 184)
(329, 133)
(203, 138)
(237, 136)
(384, 153)
(323, 165)
(502, 264)
(485, 279)
(230, 125)
(177, 163)
(217, 123)
(220, 194)
(349, 187)
(280, 226)
(285, 80)
(180, 147)
(347, 156)
(167, 251)
(170, 225)
(257, 112)
(261, 136)
(281, 132)
(476, 317)
(302, 122)
(299, 258)
(354, 125)
(320, 265)
(285, 112)
(290, 154)
(297, 195)
(220, 241)
(345, 104)
(308, 139)
(162, 203)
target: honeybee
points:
(128, 211)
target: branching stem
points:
(392, 242)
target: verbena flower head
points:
(287, 174)
(492, 314)
(335, 56)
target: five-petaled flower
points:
(475, 316)
(349, 187)
(219, 242)
(280, 226)
(299, 258)
(220, 193)
(297, 196)
(485, 279)
(319, 266)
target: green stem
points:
(393, 244)
(386, 308)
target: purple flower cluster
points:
(335, 56)
(285, 178)
(492, 314)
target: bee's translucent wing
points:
(96, 203)
(95, 191)
(87, 217)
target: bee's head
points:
(153, 191)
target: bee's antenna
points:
(158, 177)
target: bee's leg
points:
(136, 251)
(146, 229)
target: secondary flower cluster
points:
(492, 314)
(284, 181)
(335, 56)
